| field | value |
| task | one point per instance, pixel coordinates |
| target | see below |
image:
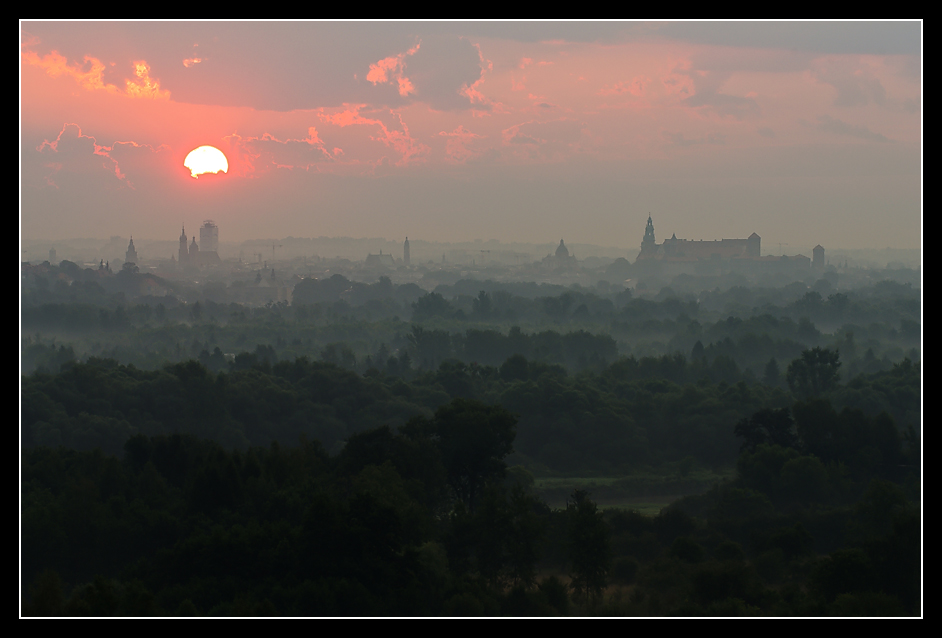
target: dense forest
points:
(374, 449)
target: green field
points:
(648, 492)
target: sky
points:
(805, 133)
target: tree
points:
(774, 427)
(588, 545)
(814, 373)
(474, 438)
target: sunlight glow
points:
(206, 159)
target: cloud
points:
(79, 159)
(678, 139)
(145, 87)
(879, 38)
(391, 70)
(702, 88)
(829, 124)
(399, 139)
(553, 140)
(444, 72)
(724, 105)
(268, 151)
(191, 61)
(855, 82)
(90, 74)
(765, 131)
(461, 144)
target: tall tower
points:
(754, 245)
(648, 244)
(817, 257)
(209, 237)
(184, 255)
(131, 255)
(648, 241)
(405, 252)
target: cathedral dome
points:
(562, 252)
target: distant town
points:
(259, 272)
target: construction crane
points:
(273, 247)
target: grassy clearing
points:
(647, 491)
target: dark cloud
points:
(877, 38)
(724, 105)
(678, 139)
(831, 125)
(855, 86)
(441, 68)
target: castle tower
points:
(648, 244)
(405, 252)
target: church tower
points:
(648, 244)
(405, 252)
(131, 255)
(184, 253)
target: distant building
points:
(561, 251)
(52, 256)
(560, 260)
(194, 257)
(817, 257)
(380, 260)
(209, 243)
(130, 256)
(184, 254)
(675, 249)
(405, 252)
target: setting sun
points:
(206, 159)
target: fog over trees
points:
(483, 448)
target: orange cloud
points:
(400, 140)
(89, 74)
(259, 153)
(392, 69)
(458, 144)
(191, 61)
(147, 87)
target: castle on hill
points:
(687, 250)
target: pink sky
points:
(803, 132)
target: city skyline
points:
(804, 133)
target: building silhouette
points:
(183, 256)
(209, 243)
(379, 261)
(204, 253)
(675, 249)
(131, 255)
(405, 252)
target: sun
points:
(206, 159)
